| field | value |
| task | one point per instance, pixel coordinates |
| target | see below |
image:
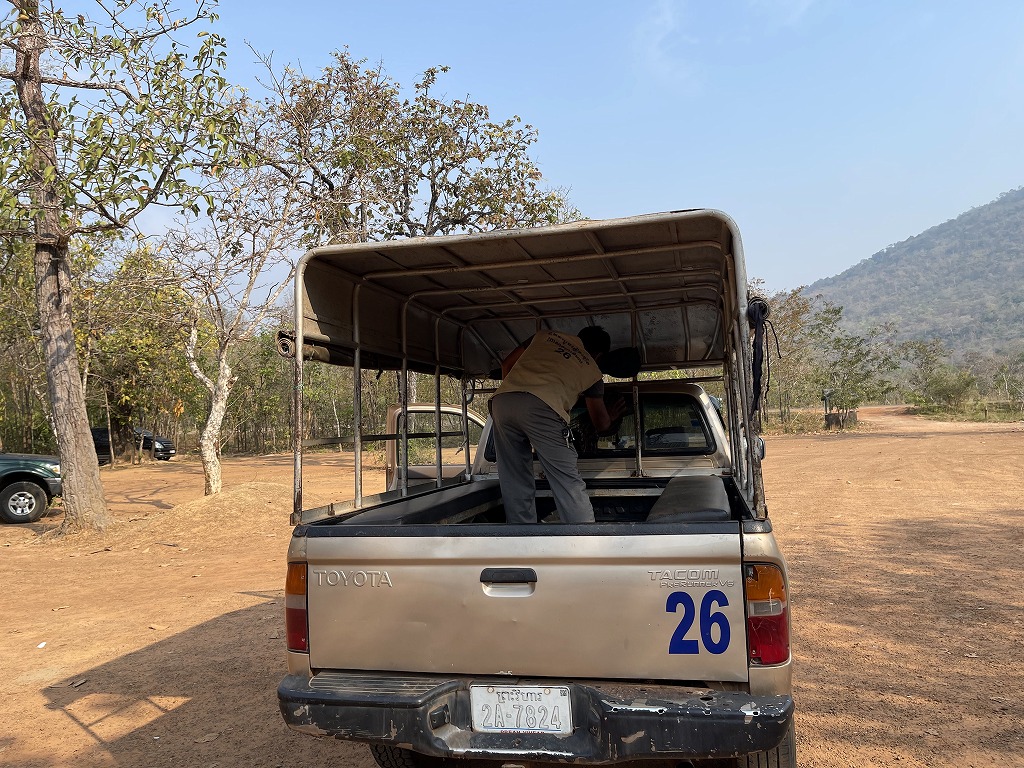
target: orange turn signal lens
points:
(295, 583)
(765, 582)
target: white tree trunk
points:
(337, 420)
(219, 389)
(209, 441)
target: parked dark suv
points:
(28, 483)
(162, 447)
(163, 451)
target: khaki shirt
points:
(555, 368)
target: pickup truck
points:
(422, 623)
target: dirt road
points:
(161, 643)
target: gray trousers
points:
(521, 420)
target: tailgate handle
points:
(508, 575)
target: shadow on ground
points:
(156, 707)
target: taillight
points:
(767, 614)
(296, 626)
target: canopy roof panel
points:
(670, 283)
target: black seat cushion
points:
(691, 500)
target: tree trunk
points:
(337, 420)
(209, 441)
(211, 460)
(84, 504)
(110, 432)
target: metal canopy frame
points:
(672, 284)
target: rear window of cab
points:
(670, 424)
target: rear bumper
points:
(612, 722)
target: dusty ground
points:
(161, 643)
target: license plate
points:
(521, 709)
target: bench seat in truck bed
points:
(692, 499)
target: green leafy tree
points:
(105, 114)
(129, 320)
(850, 369)
(933, 379)
(792, 383)
(26, 423)
(257, 416)
(374, 165)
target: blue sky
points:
(828, 129)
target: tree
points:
(850, 369)
(26, 425)
(791, 374)
(234, 263)
(932, 378)
(454, 170)
(372, 165)
(129, 322)
(1010, 378)
(257, 419)
(104, 116)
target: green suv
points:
(28, 484)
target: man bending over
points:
(542, 379)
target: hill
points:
(961, 281)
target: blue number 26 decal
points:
(709, 619)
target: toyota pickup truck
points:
(422, 623)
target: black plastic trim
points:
(757, 526)
(508, 576)
(611, 722)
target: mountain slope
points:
(961, 281)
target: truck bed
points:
(680, 499)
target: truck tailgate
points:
(637, 606)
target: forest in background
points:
(133, 336)
(133, 320)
